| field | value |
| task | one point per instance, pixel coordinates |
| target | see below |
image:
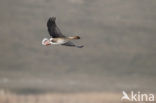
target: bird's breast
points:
(58, 40)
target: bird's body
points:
(57, 37)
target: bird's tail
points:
(73, 37)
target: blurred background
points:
(119, 46)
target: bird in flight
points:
(57, 38)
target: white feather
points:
(43, 41)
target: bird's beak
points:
(47, 43)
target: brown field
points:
(92, 97)
(7, 97)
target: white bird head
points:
(46, 42)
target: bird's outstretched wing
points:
(71, 44)
(53, 30)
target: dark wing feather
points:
(71, 44)
(53, 30)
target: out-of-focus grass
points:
(7, 97)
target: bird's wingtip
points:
(53, 18)
(80, 46)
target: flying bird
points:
(56, 37)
